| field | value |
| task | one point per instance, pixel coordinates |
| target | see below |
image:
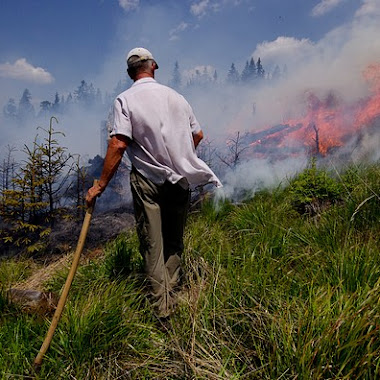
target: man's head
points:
(140, 61)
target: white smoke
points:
(335, 63)
(249, 177)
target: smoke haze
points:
(334, 62)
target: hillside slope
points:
(284, 285)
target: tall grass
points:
(297, 296)
(284, 286)
(13, 271)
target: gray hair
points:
(139, 66)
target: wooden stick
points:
(66, 288)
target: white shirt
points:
(159, 123)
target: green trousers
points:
(160, 212)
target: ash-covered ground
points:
(104, 226)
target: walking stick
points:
(66, 288)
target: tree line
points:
(85, 96)
(252, 73)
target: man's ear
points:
(130, 73)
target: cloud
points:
(200, 8)
(22, 70)
(283, 50)
(325, 6)
(369, 8)
(129, 5)
(174, 33)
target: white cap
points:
(137, 55)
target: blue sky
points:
(50, 45)
(88, 39)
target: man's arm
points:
(197, 137)
(115, 151)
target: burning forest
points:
(328, 124)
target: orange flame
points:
(328, 123)
(370, 108)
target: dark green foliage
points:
(314, 189)
(29, 205)
(23, 205)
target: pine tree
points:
(45, 108)
(78, 186)
(54, 161)
(245, 75)
(260, 70)
(276, 73)
(252, 69)
(8, 169)
(23, 206)
(29, 206)
(10, 110)
(56, 106)
(85, 94)
(25, 108)
(233, 75)
(176, 79)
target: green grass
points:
(12, 271)
(273, 291)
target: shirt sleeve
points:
(194, 125)
(122, 123)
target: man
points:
(157, 128)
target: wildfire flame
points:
(328, 123)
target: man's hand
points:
(93, 192)
(197, 137)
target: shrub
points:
(313, 190)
